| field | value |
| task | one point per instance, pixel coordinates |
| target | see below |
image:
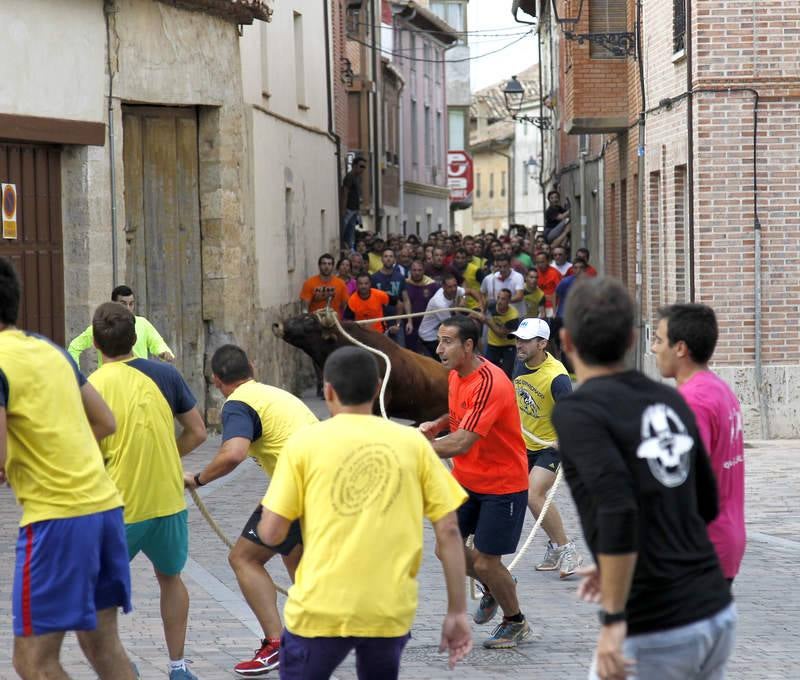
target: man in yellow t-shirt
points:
(533, 296)
(360, 486)
(143, 458)
(71, 569)
(500, 348)
(257, 420)
(540, 380)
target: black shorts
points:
(495, 519)
(293, 538)
(549, 459)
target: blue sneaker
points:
(182, 674)
(508, 634)
(487, 607)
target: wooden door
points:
(37, 253)
(163, 253)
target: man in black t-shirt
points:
(645, 491)
(350, 201)
(556, 221)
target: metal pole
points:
(584, 197)
(376, 168)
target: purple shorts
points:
(305, 658)
(69, 569)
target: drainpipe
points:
(584, 197)
(331, 127)
(401, 158)
(601, 212)
(376, 167)
(108, 9)
(640, 190)
(541, 118)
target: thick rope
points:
(218, 530)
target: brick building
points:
(718, 221)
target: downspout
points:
(331, 127)
(687, 46)
(601, 211)
(541, 127)
(401, 158)
(108, 9)
(376, 169)
(582, 180)
(640, 200)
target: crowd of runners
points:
(657, 475)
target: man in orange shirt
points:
(368, 302)
(490, 462)
(317, 290)
(548, 279)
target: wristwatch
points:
(197, 480)
(607, 619)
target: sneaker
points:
(487, 607)
(552, 558)
(508, 634)
(182, 674)
(135, 670)
(571, 560)
(264, 661)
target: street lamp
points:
(514, 94)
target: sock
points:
(179, 665)
(517, 618)
(274, 641)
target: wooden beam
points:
(53, 130)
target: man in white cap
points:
(540, 380)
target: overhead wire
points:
(394, 53)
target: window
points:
(678, 26)
(606, 16)
(426, 55)
(299, 62)
(491, 185)
(456, 133)
(524, 178)
(428, 136)
(453, 13)
(503, 183)
(414, 133)
(264, 60)
(412, 52)
(439, 140)
(477, 185)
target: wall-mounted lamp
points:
(514, 94)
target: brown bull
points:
(417, 388)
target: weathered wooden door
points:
(163, 230)
(37, 252)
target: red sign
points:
(459, 176)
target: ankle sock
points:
(179, 665)
(517, 618)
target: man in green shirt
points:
(148, 340)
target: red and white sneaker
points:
(265, 660)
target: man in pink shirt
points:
(683, 345)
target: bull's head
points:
(315, 334)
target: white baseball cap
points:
(529, 329)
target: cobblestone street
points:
(222, 630)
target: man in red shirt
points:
(368, 302)
(317, 290)
(583, 254)
(490, 462)
(548, 280)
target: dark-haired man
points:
(367, 303)
(501, 319)
(350, 200)
(257, 419)
(390, 279)
(324, 288)
(644, 489)
(72, 569)
(489, 461)
(420, 289)
(504, 277)
(556, 220)
(683, 344)
(360, 486)
(438, 268)
(148, 340)
(583, 254)
(143, 457)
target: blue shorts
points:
(165, 541)
(69, 569)
(495, 519)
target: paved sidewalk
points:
(222, 630)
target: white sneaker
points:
(552, 558)
(571, 560)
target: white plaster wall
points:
(286, 156)
(279, 81)
(53, 59)
(527, 209)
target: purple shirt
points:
(719, 421)
(419, 297)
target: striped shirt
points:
(484, 402)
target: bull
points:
(417, 389)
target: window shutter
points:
(606, 16)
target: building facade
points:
(133, 165)
(704, 209)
